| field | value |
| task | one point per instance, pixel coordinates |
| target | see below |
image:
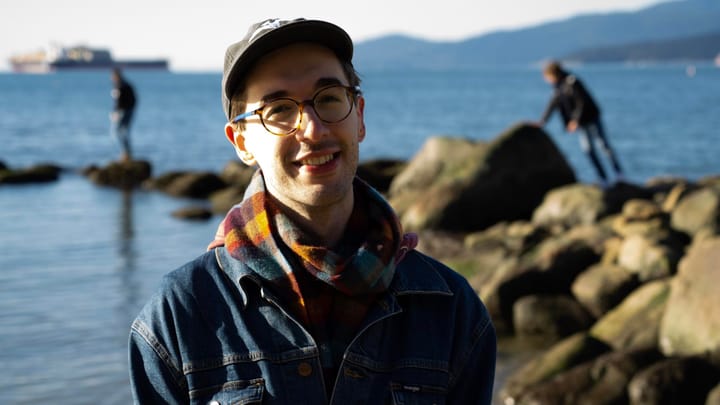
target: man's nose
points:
(311, 126)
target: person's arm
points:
(153, 377)
(474, 384)
(551, 105)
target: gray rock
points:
(602, 287)
(644, 218)
(700, 209)
(602, 381)
(187, 184)
(691, 323)
(222, 200)
(634, 324)
(552, 316)
(123, 175)
(571, 205)
(713, 397)
(675, 195)
(380, 173)
(42, 173)
(674, 381)
(193, 213)
(562, 356)
(648, 259)
(550, 268)
(238, 174)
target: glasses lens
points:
(333, 104)
(280, 116)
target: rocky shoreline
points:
(619, 282)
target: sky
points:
(193, 35)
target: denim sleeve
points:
(473, 372)
(152, 379)
(474, 384)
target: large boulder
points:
(635, 323)
(462, 185)
(570, 352)
(691, 323)
(123, 175)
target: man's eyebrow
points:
(327, 81)
(274, 95)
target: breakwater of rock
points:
(619, 282)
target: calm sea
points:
(78, 261)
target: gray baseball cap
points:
(269, 35)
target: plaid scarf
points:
(329, 291)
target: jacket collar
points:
(415, 274)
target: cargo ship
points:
(58, 59)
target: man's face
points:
(313, 167)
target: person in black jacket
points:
(122, 114)
(579, 110)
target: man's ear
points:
(238, 142)
(361, 118)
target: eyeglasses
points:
(283, 116)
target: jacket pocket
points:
(411, 394)
(239, 392)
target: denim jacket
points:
(213, 335)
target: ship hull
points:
(79, 58)
(60, 66)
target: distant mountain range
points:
(674, 30)
(695, 48)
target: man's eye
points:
(327, 99)
(278, 111)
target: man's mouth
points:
(317, 160)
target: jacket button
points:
(304, 369)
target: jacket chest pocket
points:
(231, 393)
(409, 394)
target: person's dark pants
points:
(122, 131)
(591, 134)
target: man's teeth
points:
(317, 161)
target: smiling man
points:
(310, 293)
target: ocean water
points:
(78, 261)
